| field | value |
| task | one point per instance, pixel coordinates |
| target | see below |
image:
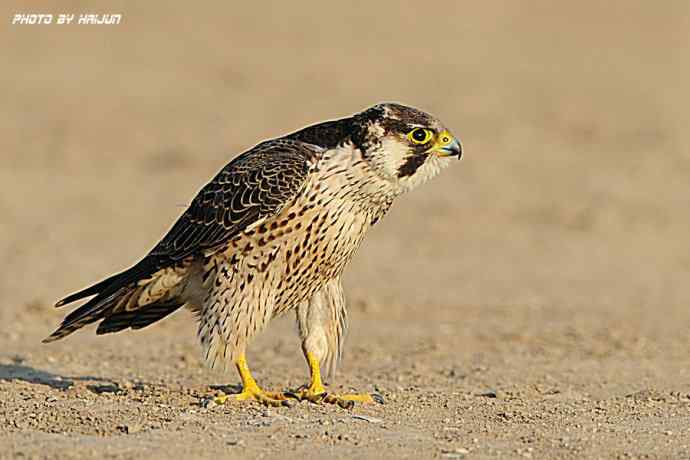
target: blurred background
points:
(554, 254)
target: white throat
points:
(431, 167)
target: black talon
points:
(378, 398)
(346, 403)
(292, 395)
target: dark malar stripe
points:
(411, 165)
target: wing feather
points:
(254, 186)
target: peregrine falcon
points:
(272, 233)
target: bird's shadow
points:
(19, 372)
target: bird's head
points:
(405, 145)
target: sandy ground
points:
(533, 301)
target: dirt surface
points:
(532, 302)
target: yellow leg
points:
(252, 391)
(317, 393)
(316, 385)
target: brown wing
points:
(255, 185)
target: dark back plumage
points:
(252, 186)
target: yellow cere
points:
(444, 139)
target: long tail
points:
(134, 298)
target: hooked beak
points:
(453, 149)
(447, 145)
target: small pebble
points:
(208, 403)
(130, 429)
(460, 452)
(489, 394)
(367, 419)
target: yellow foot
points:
(266, 398)
(346, 401)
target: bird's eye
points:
(419, 135)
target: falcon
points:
(272, 233)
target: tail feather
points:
(109, 284)
(134, 298)
(89, 291)
(136, 319)
(90, 312)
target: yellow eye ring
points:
(420, 135)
